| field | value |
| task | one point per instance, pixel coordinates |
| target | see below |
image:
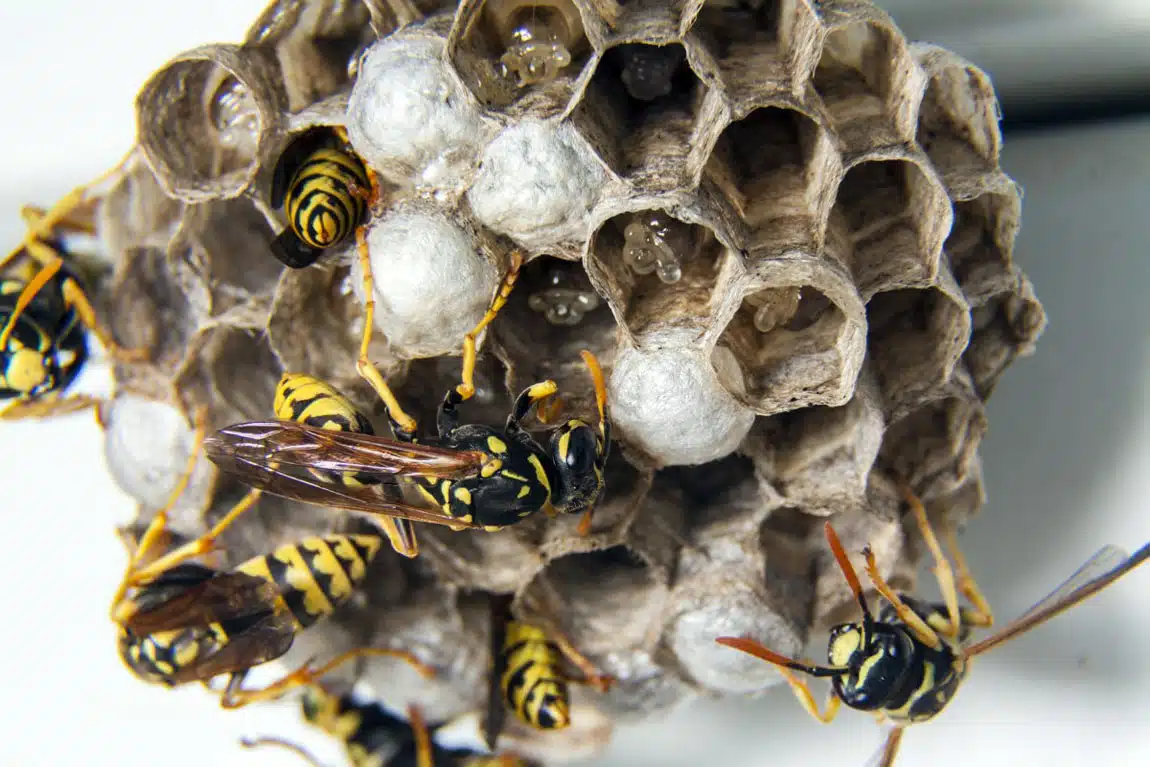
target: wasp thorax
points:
(233, 113)
(655, 242)
(562, 303)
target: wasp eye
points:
(582, 449)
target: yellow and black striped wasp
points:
(373, 737)
(45, 314)
(325, 191)
(906, 665)
(181, 621)
(528, 676)
(470, 476)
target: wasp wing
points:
(279, 443)
(263, 641)
(293, 480)
(1106, 566)
(223, 597)
(496, 713)
(886, 753)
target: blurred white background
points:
(1066, 460)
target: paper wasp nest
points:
(780, 226)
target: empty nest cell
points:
(318, 53)
(897, 218)
(645, 110)
(916, 339)
(1006, 326)
(521, 56)
(761, 47)
(958, 125)
(233, 372)
(980, 245)
(661, 271)
(779, 167)
(862, 77)
(934, 446)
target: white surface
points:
(1065, 463)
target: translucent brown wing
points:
(293, 480)
(265, 640)
(1106, 566)
(225, 596)
(289, 443)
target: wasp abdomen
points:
(316, 575)
(308, 400)
(322, 202)
(532, 684)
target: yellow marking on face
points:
(540, 473)
(524, 492)
(496, 445)
(844, 646)
(463, 495)
(26, 370)
(564, 444)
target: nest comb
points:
(782, 228)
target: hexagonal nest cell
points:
(780, 228)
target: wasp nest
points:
(780, 226)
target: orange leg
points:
(908, 616)
(942, 570)
(466, 389)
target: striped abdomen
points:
(320, 202)
(309, 400)
(316, 575)
(532, 685)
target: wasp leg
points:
(48, 406)
(925, 633)
(533, 395)
(890, 747)
(159, 524)
(806, 698)
(942, 570)
(76, 297)
(466, 389)
(550, 411)
(402, 424)
(79, 223)
(981, 615)
(299, 751)
(236, 697)
(591, 675)
(423, 751)
(204, 544)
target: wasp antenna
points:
(592, 363)
(751, 647)
(848, 570)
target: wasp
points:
(325, 191)
(373, 737)
(180, 621)
(45, 314)
(528, 676)
(469, 476)
(906, 664)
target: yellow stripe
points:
(300, 578)
(326, 563)
(257, 567)
(540, 473)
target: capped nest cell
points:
(780, 227)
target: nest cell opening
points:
(916, 338)
(891, 209)
(707, 484)
(958, 123)
(551, 316)
(936, 446)
(612, 600)
(661, 270)
(773, 157)
(980, 245)
(786, 340)
(645, 102)
(1002, 328)
(789, 568)
(757, 44)
(200, 126)
(855, 77)
(524, 55)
